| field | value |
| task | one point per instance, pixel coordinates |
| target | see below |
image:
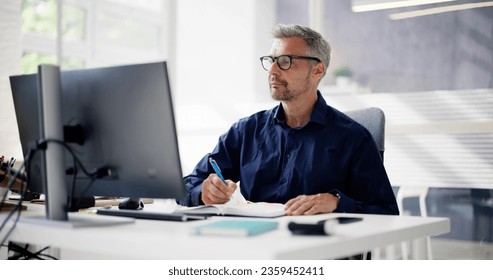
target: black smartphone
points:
(343, 220)
(319, 227)
(306, 229)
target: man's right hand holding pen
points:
(215, 189)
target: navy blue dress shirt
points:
(275, 163)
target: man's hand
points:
(311, 204)
(214, 191)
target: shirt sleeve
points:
(225, 154)
(369, 189)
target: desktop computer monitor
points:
(116, 118)
(24, 93)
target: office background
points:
(213, 46)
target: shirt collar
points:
(319, 114)
(278, 116)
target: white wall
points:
(217, 69)
(10, 64)
(218, 46)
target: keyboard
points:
(147, 215)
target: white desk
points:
(146, 239)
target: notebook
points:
(251, 209)
(236, 228)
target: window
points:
(92, 33)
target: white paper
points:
(237, 198)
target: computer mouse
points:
(131, 204)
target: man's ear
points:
(319, 70)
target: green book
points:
(236, 227)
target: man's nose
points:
(274, 68)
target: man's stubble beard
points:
(289, 94)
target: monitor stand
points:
(79, 220)
(51, 128)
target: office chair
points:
(372, 119)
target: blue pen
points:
(217, 169)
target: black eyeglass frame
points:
(291, 57)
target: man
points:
(302, 152)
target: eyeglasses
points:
(283, 61)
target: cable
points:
(22, 253)
(23, 191)
(42, 144)
(97, 174)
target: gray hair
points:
(317, 45)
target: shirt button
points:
(288, 155)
